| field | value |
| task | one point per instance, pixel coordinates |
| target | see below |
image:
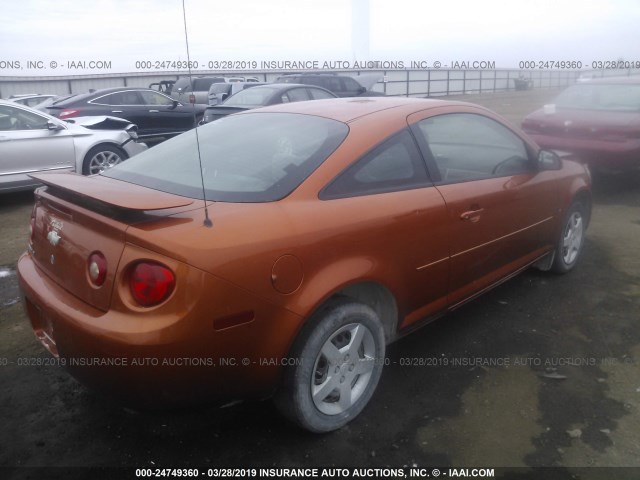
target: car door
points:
(500, 209)
(164, 116)
(397, 214)
(127, 104)
(27, 144)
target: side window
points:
(129, 97)
(393, 165)
(153, 98)
(332, 83)
(350, 84)
(318, 94)
(466, 146)
(17, 119)
(298, 95)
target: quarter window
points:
(465, 146)
(394, 165)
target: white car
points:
(32, 141)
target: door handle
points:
(472, 215)
(154, 111)
(116, 111)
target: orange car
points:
(331, 228)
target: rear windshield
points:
(253, 157)
(621, 97)
(252, 97)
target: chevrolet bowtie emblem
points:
(53, 237)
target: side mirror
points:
(362, 90)
(174, 104)
(54, 127)
(223, 97)
(548, 160)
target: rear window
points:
(253, 157)
(252, 97)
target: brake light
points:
(68, 113)
(97, 265)
(192, 98)
(151, 283)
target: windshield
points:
(254, 157)
(252, 97)
(620, 97)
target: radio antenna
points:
(207, 221)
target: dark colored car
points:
(155, 114)
(599, 120)
(288, 246)
(265, 95)
(341, 85)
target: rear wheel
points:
(101, 158)
(571, 239)
(338, 364)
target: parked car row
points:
(597, 119)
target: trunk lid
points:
(76, 216)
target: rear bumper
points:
(177, 363)
(597, 152)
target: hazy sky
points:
(125, 31)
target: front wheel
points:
(101, 158)
(338, 364)
(571, 239)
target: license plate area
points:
(42, 327)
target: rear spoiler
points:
(115, 193)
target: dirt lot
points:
(566, 393)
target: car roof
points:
(351, 108)
(630, 80)
(80, 97)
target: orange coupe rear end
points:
(331, 228)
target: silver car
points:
(32, 141)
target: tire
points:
(571, 239)
(339, 359)
(101, 158)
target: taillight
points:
(68, 113)
(151, 283)
(192, 98)
(97, 265)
